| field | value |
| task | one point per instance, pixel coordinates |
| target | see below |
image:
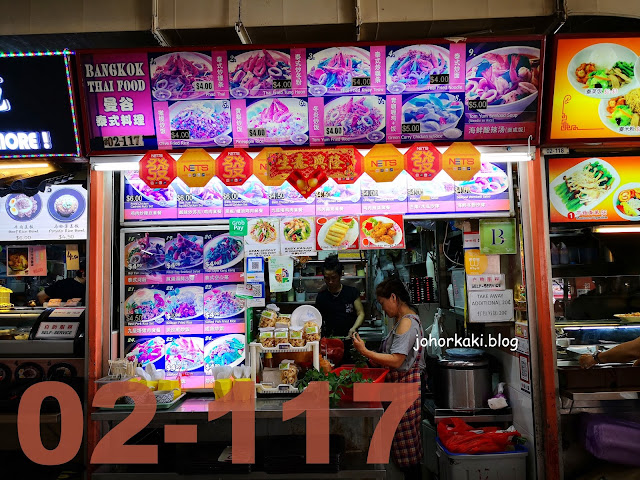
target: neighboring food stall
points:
(216, 257)
(43, 234)
(592, 203)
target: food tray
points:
(113, 378)
(626, 317)
(283, 388)
(160, 406)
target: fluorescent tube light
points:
(116, 166)
(7, 166)
(618, 229)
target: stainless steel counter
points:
(599, 400)
(195, 409)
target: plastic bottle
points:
(555, 255)
(268, 360)
(564, 254)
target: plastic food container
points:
(377, 375)
(494, 466)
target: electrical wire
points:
(444, 247)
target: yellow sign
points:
(475, 263)
(72, 257)
(196, 167)
(461, 161)
(261, 166)
(384, 163)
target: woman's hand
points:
(352, 331)
(587, 361)
(358, 344)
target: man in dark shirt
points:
(66, 288)
(340, 305)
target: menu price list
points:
(180, 312)
(313, 96)
(487, 191)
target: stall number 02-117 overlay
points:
(239, 402)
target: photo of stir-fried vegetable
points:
(615, 77)
(584, 186)
(262, 231)
(625, 110)
(297, 230)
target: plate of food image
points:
(227, 350)
(66, 204)
(221, 302)
(23, 208)
(621, 114)
(583, 186)
(146, 351)
(382, 231)
(184, 354)
(297, 230)
(221, 252)
(262, 231)
(604, 70)
(185, 251)
(626, 201)
(338, 233)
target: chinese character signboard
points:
(37, 110)
(423, 161)
(234, 166)
(157, 169)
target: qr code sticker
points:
(254, 264)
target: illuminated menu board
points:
(395, 93)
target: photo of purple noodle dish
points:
(148, 351)
(357, 117)
(146, 253)
(185, 251)
(149, 303)
(253, 73)
(507, 78)
(334, 69)
(173, 75)
(184, 303)
(411, 68)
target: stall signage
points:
(490, 306)
(476, 263)
(263, 237)
(337, 233)
(485, 282)
(56, 330)
(343, 164)
(196, 167)
(312, 96)
(381, 232)
(423, 161)
(595, 90)
(234, 166)
(596, 189)
(461, 161)
(28, 127)
(383, 163)
(307, 183)
(58, 213)
(298, 236)
(261, 169)
(157, 169)
(498, 236)
(26, 260)
(238, 227)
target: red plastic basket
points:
(377, 375)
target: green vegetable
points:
(598, 79)
(622, 115)
(625, 67)
(346, 379)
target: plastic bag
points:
(288, 372)
(281, 335)
(296, 336)
(433, 333)
(459, 437)
(311, 332)
(333, 349)
(266, 337)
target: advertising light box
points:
(37, 112)
(596, 90)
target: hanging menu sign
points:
(312, 96)
(58, 213)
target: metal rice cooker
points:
(465, 384)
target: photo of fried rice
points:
(66, 205)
